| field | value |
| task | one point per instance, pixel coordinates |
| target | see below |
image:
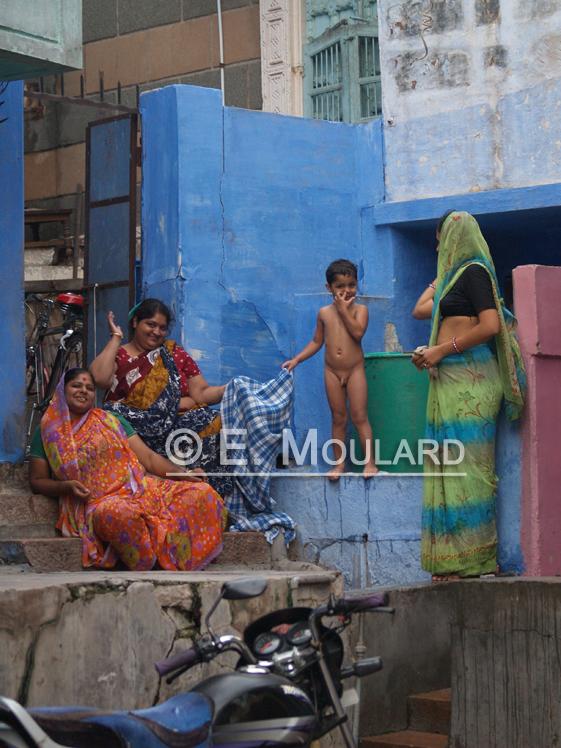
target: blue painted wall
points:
(12, 368)
(242, 212)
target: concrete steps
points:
(429, 724)
(431, 711)
(28, 537)
(247, 549)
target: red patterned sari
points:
(129, 515)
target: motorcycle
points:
(286, 689)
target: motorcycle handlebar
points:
(182, 660)
(359, 604)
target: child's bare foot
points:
(336, 472)
(370, 470)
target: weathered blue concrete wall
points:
(242, 212)
(471, 95)
(12, 368)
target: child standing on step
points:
(341, 326)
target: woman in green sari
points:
(474, 361)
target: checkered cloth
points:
(261, 411)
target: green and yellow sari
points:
(458, 524)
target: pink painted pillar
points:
(537, 300)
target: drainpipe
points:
(360, 647)
(221, 46)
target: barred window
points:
(369, 77)
(327, 84)
(342, 73)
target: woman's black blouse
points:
(471, 294)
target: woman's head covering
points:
(462, 244)
(56, 433)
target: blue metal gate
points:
(110, 253)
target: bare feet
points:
(445, 578)
(370, 470)
(336, 472)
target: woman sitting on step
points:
(154, 383)
(107, 499)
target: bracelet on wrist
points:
(431, 285)
(117, 334)
(455, 345)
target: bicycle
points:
(42, 376)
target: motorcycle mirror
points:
(240, 589)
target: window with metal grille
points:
(327, 84)
(342, 73)
(369, 82)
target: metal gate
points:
(110, 251)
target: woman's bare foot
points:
(445, 578)
(336, 472)
(370, 470)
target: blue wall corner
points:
(12, 370)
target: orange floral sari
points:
(129, 515)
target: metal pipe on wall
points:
(221, 46)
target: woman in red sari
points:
(106, 496)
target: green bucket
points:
(397, 404)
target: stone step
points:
(406, 739)
(248, 549)
(47, 272)
(43, 554)
(14, 477)
(27, 515)
(36, 257)
(430, 711)
(241, 549)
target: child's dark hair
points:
(74, 373)
(146, 310)
(441, 220)
(340, 267)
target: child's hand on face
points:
(289, 365)
(341, 303)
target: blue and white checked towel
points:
(261, 411)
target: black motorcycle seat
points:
(180, 722)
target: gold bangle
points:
(116, 334)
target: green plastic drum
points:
(397, 403)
